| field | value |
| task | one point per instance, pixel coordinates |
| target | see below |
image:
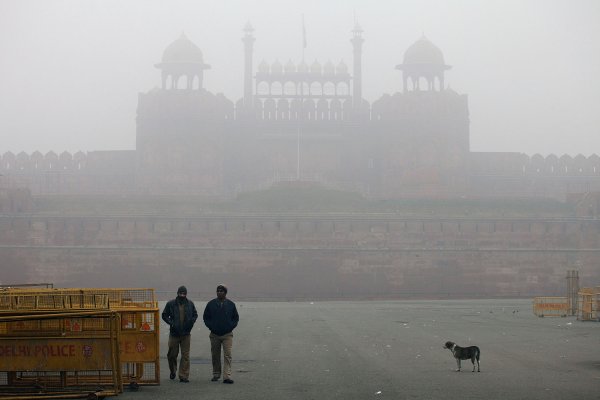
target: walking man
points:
(180, 314)
(221, 317)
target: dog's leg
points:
(473, 362)
(458, 364)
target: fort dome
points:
(423, 52)
(290, 67)
(342, 68)
(276, 67)
(182, 65)
(316, 68)
(264, 67)
(303, 67)
(329, 68)
(182, 50)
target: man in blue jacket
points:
(180, 313)
(221, 317)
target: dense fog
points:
(71, 70)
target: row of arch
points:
(551, 165)
(312, 88)
(564, 165)
(43, 162)
(294, 109)
(315, 69)
(507, 164)
(182, 82)
(423, 83)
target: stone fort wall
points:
(305, 256)
(490, 174)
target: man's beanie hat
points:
(182, 289)
(221, 286)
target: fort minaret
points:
(357, 41)
(248, 41)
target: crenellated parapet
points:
(106, 172)
(519, 164)
(564, 165)
(38, 162)
(521, 175)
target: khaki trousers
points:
(216, 342)
(184, 366)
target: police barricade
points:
(139, 328)
(139, 331)
(550, 306)
(588, 304)
(60, 355)
(16, 302)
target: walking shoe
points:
(227, 381)
(214, 379)
(172, 376)
(184, 380)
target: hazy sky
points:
(70, 71)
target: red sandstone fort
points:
(305, 123)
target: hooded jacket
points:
(171, 316)
(220, 317)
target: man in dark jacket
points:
(221, 317)
(180, 313)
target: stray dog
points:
(464, 353)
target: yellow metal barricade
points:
(139, 331)
(139, 328)
(140, 346)
(550, 306)
(29, 301)
(588, 304)
(60, 355)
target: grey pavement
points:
(393, 350)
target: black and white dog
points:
(464, 353)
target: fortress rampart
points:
(306, 256)
(489, 174)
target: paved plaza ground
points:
(392, 350)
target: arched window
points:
(196, 82)
(262, 88)
(303, 89)
(289, 89)
(277, 88)
(329, 89)
(182, 82)
(342, 89)
(316, 89)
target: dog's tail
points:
(477, 354)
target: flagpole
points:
(303, 37)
